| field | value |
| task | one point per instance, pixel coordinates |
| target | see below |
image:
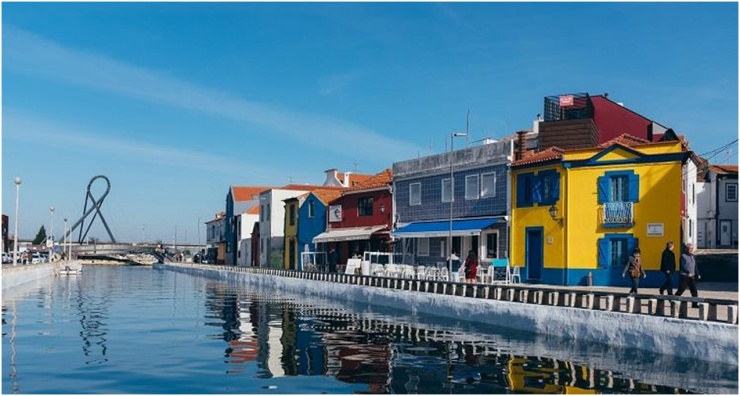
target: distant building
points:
(718, 207)
(215, 236)
(239, 199)
(310, 221)
(245, 226)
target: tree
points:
(40, 236)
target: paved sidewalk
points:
(722, 290)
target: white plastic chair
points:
(514, 275)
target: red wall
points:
(613, 120)
(349, 210)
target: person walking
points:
(689, 273)
(471, 267)
(667, 266)
(634, 267)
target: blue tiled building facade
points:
(479, 208)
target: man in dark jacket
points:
(667, 266)
(333, 260)
(689, 273)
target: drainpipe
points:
(565, 216)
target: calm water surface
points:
(139, 330)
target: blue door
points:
(534, 246)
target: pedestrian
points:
(634, 267)
(667, 266)
(333, 260)
(471, 267)
(689, 273)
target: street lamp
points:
(17, 182)
(51, 237)
(452, 196)
(554, 213)
(64, 247)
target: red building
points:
(360, 219)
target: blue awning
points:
(429, 229)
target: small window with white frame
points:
(414, 194)
(471, 187)
(731, 192)
(422, 247)
(446, 190)
(488, 185)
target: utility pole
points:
(199, 232)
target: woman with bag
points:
(634, 267)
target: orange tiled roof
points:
(354, 178)
(254, 210)
(625, 139)
(548, 154)
(723, 169)
(381, 179)
(305, 187)
(326, 195)
(246, 193)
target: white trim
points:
(411, 194)
(492, 193)
(477, 187)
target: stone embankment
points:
(656, 323)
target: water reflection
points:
(287, 337)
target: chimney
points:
(346, 179)
(331, 178)
(520, 145)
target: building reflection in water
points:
(287, 338)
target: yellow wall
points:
(291, 233)
(576, 241)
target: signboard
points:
(655, 229)
(335, 213)
(566, 100)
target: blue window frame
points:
(542, 188)
(619, 186)
(615, 249)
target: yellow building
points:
(579, 214)
(290, 243)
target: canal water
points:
(140, 330)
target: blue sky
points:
(174, 102)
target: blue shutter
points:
(537, 188)
(520, 202)
(555, 186)
(603, 187)
(633, 188)
(605, 253)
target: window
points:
(422, 247)
(442, 249)
(262, 213)
(691, 226)
(414, 194)
(471, 187)
(731, 192)
(267, 216)
(546, 188)
(311, 210)
(618, 189)
(618, 186)
(492, 246)
(524, 190)
(615, 249)
(365, 206)
(488, 185)
(446, 190)
(292, 214)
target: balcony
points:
(617, 214)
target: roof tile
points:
(381, 179)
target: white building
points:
(717, 207)
(245, 225)
(690, 219)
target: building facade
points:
(239, 199)
(360, 219)
(578, 214)
(475, 213)
(215, 240)
(717, 207)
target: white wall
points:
(703, 219)
(690, 217)
(273, 227)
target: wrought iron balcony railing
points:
(617, 214)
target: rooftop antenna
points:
(355, 164)
(467, 129)
(290, 179)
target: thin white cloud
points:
(336, 84)
(31, 129)
(25, 52)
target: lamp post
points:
(64, 246)
(452, 197)
(51, 235)
(17, 182)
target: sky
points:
(175, 102)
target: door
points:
(292, 254)
(725, 232)
(534, 247)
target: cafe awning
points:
(347, 234)
(460, 227)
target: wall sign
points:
(655, 229)
(335, 213)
